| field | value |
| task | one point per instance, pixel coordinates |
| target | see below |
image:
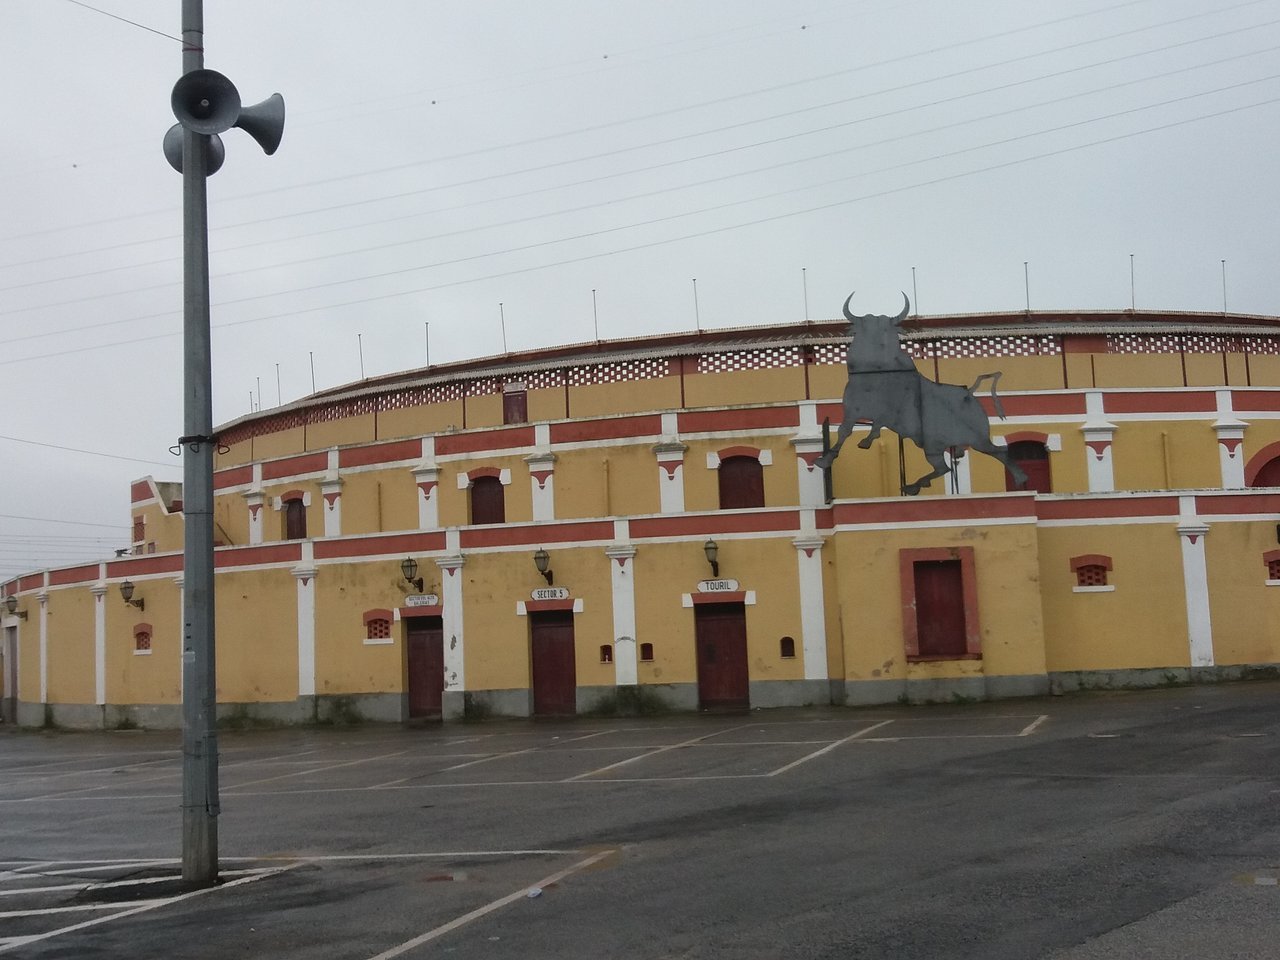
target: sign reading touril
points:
(717, 586)
(551, 593)
(422, 600)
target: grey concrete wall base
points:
(858, 693)
(868, 693)
(1069, 681)
(677, 696)
(790, 693)
(32, 714)
(637, 699)
(76, 716)
(356, 707)
(452, 705)
(482, 704)
(1012, 687)
(277, 713)
(948, 690)
(591, 699)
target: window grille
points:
(378, 629)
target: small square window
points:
(787, 648)
(646, 651)
(606, 653)
(1092, 572)
(1091, 575)
(378, 629)
(142, 641)
(1273, 566)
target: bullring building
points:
(642, 523)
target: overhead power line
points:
(73, 523)
(92, 453)
(132, 23)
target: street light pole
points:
(199, 679)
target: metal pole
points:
(312, 355)
(258, 380)
(1133, 299)
(502, 319)
(915, 297)
(1224, 286)
(595, 315)
(426, 335)
(804, 281)
(360, 350)
(200, 805)
(279, 401)
(697, 319)
(1026, 282)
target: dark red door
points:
(720, 632)
(939, 608)
(424, 651)
(555, 674)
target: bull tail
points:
(995, 397)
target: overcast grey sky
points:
(440, 158)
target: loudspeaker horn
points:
(205, 101)
(173, 150)
(264, 122)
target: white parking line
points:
(79, 908)
(827, 749)
(491, 906)
(653, 753)
(1030, 728)
(228, 790)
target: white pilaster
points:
(1098, 435)
(43, 599)
(305, 574)
(99, 590)
(256, 503)
(542, 481)
(1195, 580)
(813, 627)
(451, 614)
(670, 454)
(1230, 433)
(622, 568)
(331, 493)
(813, 493)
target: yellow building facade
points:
(642, 525)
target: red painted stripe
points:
(739, 596)
(233, 477)
(1268, 503)
(610, 429)
(1268, 400)
(32, 581)
(140, 490)
(248, 556)
(73, 575)
(566, 534)
(394, 543)
(1103, 509)
(538, 606)
(1169, 401)
(380, 453)
(710, 421)
(291, 467)
(142, 566)
(933, 509)
(706, 524)
(1035, 405)
(512, 438)
(409, 613)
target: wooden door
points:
(424, 654)
(720, 633)
(939, 608)
(555, 673)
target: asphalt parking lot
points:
(1102, 825)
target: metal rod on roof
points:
(697, 318)
(502, 319)
(1224, 286)
(1026, 282)
(279, 401)
(1133, 300)
(595, 314)
(804, 281)
(915, 296)
(259, 380)
(312, 355)
(360, 349)
(426, 333)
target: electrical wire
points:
(92, 453)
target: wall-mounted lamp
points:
(409, 570)
(126, 591)
(11, 605)
(542, 560)
(712, 550)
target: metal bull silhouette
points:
(886, 390)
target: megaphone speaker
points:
(264, 122)
(205, 101)
(173, 150)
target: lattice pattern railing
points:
(763, 358)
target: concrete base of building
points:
(790, 693)
(636, 700)
(357, 708)
(951, 690)
(1069, 681)
(483, 704)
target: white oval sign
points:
(551, 593)
(718, 586)
(422, 600)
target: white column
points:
(43, 598)
(99, 590)
(1230, 433)
(813, 626)
(622, 569)
(1098, 434)
(427, 478)
(451, 614)
(670, 454)
(331, 491)
(305, 574)
(542, 481)
(813, 493)
(1195, 581)
(255, 502)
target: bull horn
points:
(906, 309)
(847, 315)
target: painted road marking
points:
(1031, 727)
(828, 748)
(653, 753)
(302, 773)
(491, 906)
